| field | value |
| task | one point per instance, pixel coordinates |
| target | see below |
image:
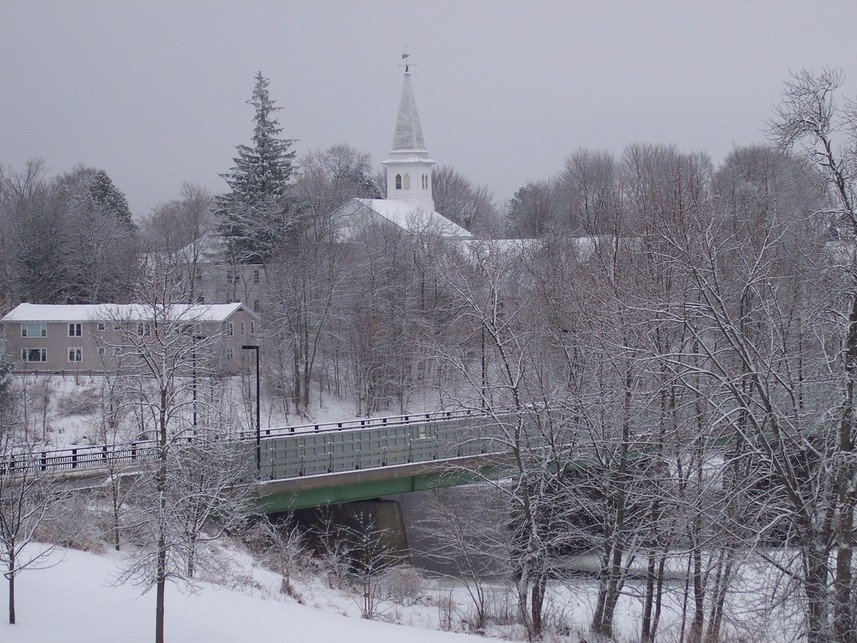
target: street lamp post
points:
(255, 347)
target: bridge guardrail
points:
(77, 457)
(308, 454)
(310, 449)
(362, 423)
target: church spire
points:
(409, 166)
(409, 134)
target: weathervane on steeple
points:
(405, 57)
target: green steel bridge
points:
(319, 464)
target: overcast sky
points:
(155, 92)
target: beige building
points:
(102, 337)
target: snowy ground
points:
(75, 601)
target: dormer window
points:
(407, 182)
(398, 181)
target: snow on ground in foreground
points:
(75, 602)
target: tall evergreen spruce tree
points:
(108, 196)
(258, 212)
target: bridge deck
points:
(319, 464)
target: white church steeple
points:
(409, 166)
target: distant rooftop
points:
(131, 312)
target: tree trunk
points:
(11, 586)
(815, 589)
(646, 629)
(843, 617)
(160, 588)
(161, 572)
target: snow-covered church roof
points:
(355, 212)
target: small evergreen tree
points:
(257, 213)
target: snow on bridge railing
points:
(363, 423)
(76, 457)
(112, 454)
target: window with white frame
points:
(101, 326)
(256, 276)
(34, 329)
(144, 329)
(75, 330)
(252, 327)
(243, 328)
(34, 354)
(101, 351)
(75, 355)
(398, 181)
(230, 353)
(228, 329)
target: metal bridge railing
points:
(363, 423)
(309, 454)
(310, 449)
(77, 457)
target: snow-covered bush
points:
(403, 585)
(74, 523)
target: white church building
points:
(409, 204)
(409, 208)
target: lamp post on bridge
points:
(255, 347)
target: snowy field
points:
(76, 601)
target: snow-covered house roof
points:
(210, 247)
(131, 312)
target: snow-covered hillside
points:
(76, 601)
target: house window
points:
(398, 181)
(255, 276)
(228, 329)
(117, 326)
(256, 306)
(230, 353)
(101, 351)
(425, 181)
(74, 330)
(144, 329)
(243, 328)
(101, 326)
(252, 327)
(34, 330)
(34, 354)
(75, 355)
(406, 183)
